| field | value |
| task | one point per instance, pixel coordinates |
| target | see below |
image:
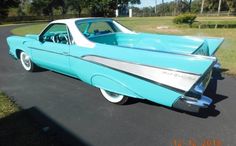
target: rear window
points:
(90, 29)
(100, 27)
(82, 27)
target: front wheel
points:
(26, 62)
(114, 97)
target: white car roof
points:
(78, 37)
(72, 20)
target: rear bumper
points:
(192, 104)
(217, 65)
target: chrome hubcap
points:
(26, 60)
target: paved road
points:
(81, 111)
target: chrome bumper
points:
(191, 104)
(217, 65)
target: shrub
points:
(186, 18)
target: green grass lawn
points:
(7, 107)
(226, 54)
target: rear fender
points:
(105, 82)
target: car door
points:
(53, 48)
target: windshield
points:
(90, 29)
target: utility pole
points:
(203, 1)
(117, 9)
(155, 6)
(219, 7)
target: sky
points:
(146, 3)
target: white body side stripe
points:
(178, 80)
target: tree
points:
(24, 8)
(183, 6)
(214, 5)
(196, 6)
(136, 11)
(96, 7)
(46, 6)
(232, 5)
(190, 4)
(76, 5)
(168, 8)
(4, 7)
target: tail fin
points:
(214, 44)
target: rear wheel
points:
(26, 62)
(114, 97)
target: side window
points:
(56, 33)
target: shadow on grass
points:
(211, 92)
(32, 127)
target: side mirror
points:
(41, 39)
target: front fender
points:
(18, 42)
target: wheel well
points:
(18, 51)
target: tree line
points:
(61, 7)
(176, 7)
(107, 7)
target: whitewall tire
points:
(114, 97)
(26, 62)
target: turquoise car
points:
(169, 70)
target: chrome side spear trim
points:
(179, 80)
